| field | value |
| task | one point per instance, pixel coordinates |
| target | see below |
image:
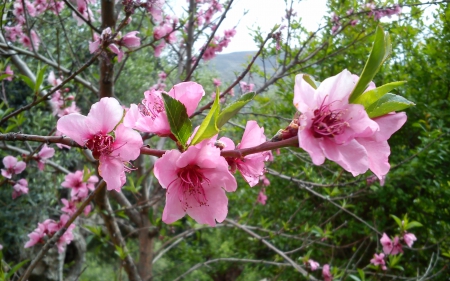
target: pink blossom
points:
(334, 29)
(36, 236)
(130, 40)
(379, 260)
(313, 264)
(196, 181)
(217, 82)
(73, 108)
(53, 80)
(391, 247)
(326, 274)
(251, 166)
(85, 12)
(246, 87)
(150, 115)
(264, 180)
(113, 48)
(21, 187)
(45, 153)
(159, 49)
(262, 198)
(94, 132)
(14, 32)
(332, 128)
(409, 239)
(9, 72)
(230, 33)
(69, 207)
(75, 182)
(13, 167)
(154, 7)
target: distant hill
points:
(231, 65)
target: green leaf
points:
(362, 274)
(413, 224)
(381, 50)
(397, 220)
(39, 79)
(387, 104)
(15, 268)
(369, 97)
(3, 76)
(180, 125)
(310, 81)
(208, 128)
(27, 81)
(354, 277)
(233, 109)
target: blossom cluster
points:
(114, 45)
(392, 247)
(48, 228)
(18, 31)
(369, 9)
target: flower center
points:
(100, 145)
(192, 178)
(151, 106)
(328, 122)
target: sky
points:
(263, 13)
(266, 14)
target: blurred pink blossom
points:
(12, 166)
(21, 187)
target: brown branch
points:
(273, 248)
(116, 236)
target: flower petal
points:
(336, 88)
(351, 156)
(216, 208)
(104, 116)
(389, 124)
(378, 153)
(165, 169)
(189, 93)
(112, 171)
(304, 95)
(74, 126)
(173, 210)
(128, 143)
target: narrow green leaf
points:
(413, 224)
(208, 128)
(3, 76)
(381, 50)
(362, 274)
(39, 78)
(388, 103)
(14, 269)
(397, 220)
(180, 125)
(27, 81)
(233, 109)
(354, 277)
(310, 81)
(369, 97)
